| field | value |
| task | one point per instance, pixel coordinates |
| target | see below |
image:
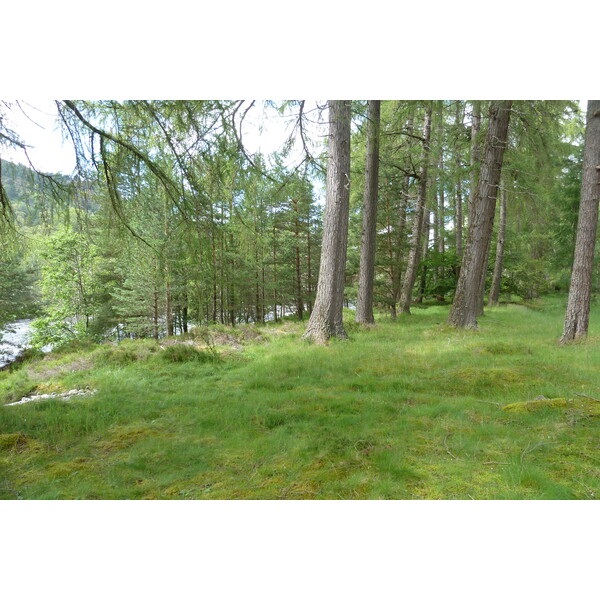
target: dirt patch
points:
(45, 371)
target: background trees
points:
(187, 226)
(364, 304)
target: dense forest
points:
(169, 221)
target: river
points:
(13, 340)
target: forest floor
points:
(410, 409)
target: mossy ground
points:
(403, 410)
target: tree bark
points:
(475, 153)
(578, 305)
(299, 299)
(326, 318)
(397, 266)
(463, 313)
(440, 218)
(364, 305)
(412, 265)
(458, 219)
(497, 278)
(425, 236)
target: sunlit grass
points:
(406, 409)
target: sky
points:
(35, 121)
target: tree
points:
(364, 305)
(326, 318)
(475, 151)
(68, 288)
(497, 277)
(578, 305)
(415, 247)
(463, 313)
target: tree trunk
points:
(458, 219)
(364, 305)
(578, 306)
(274, 270)
(397, 266)
(412, 265)
(497, 278)
(299, 299)
(425, 236)
(463, 313)
(326, 318)
(483, 275)
(184, 317)
(475, 153)
(168, 308)
(309, 281)
(440, 213)
(155, 316)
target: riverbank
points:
(406, 410)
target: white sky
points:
(35, 121)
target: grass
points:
(404, 410)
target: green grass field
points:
(410, 409)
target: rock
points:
(54, 395)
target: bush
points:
(127, 352)
(185, 353)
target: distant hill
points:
(33, 197)
(27, 191)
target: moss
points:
(489, 376)
(499, 348)
(69, 468)
(125, 436)
(50, 387)
(542, 403)
(13, 441)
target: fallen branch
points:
(589, 490)
(588, 397)
(448, 449)
(489, 402)
(529, 449)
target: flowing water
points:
(13, 340)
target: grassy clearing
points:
(407, 409)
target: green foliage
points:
(45, 331)
(18, 293)
(68, 287)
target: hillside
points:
(409, 409)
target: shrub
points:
(186, 353)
